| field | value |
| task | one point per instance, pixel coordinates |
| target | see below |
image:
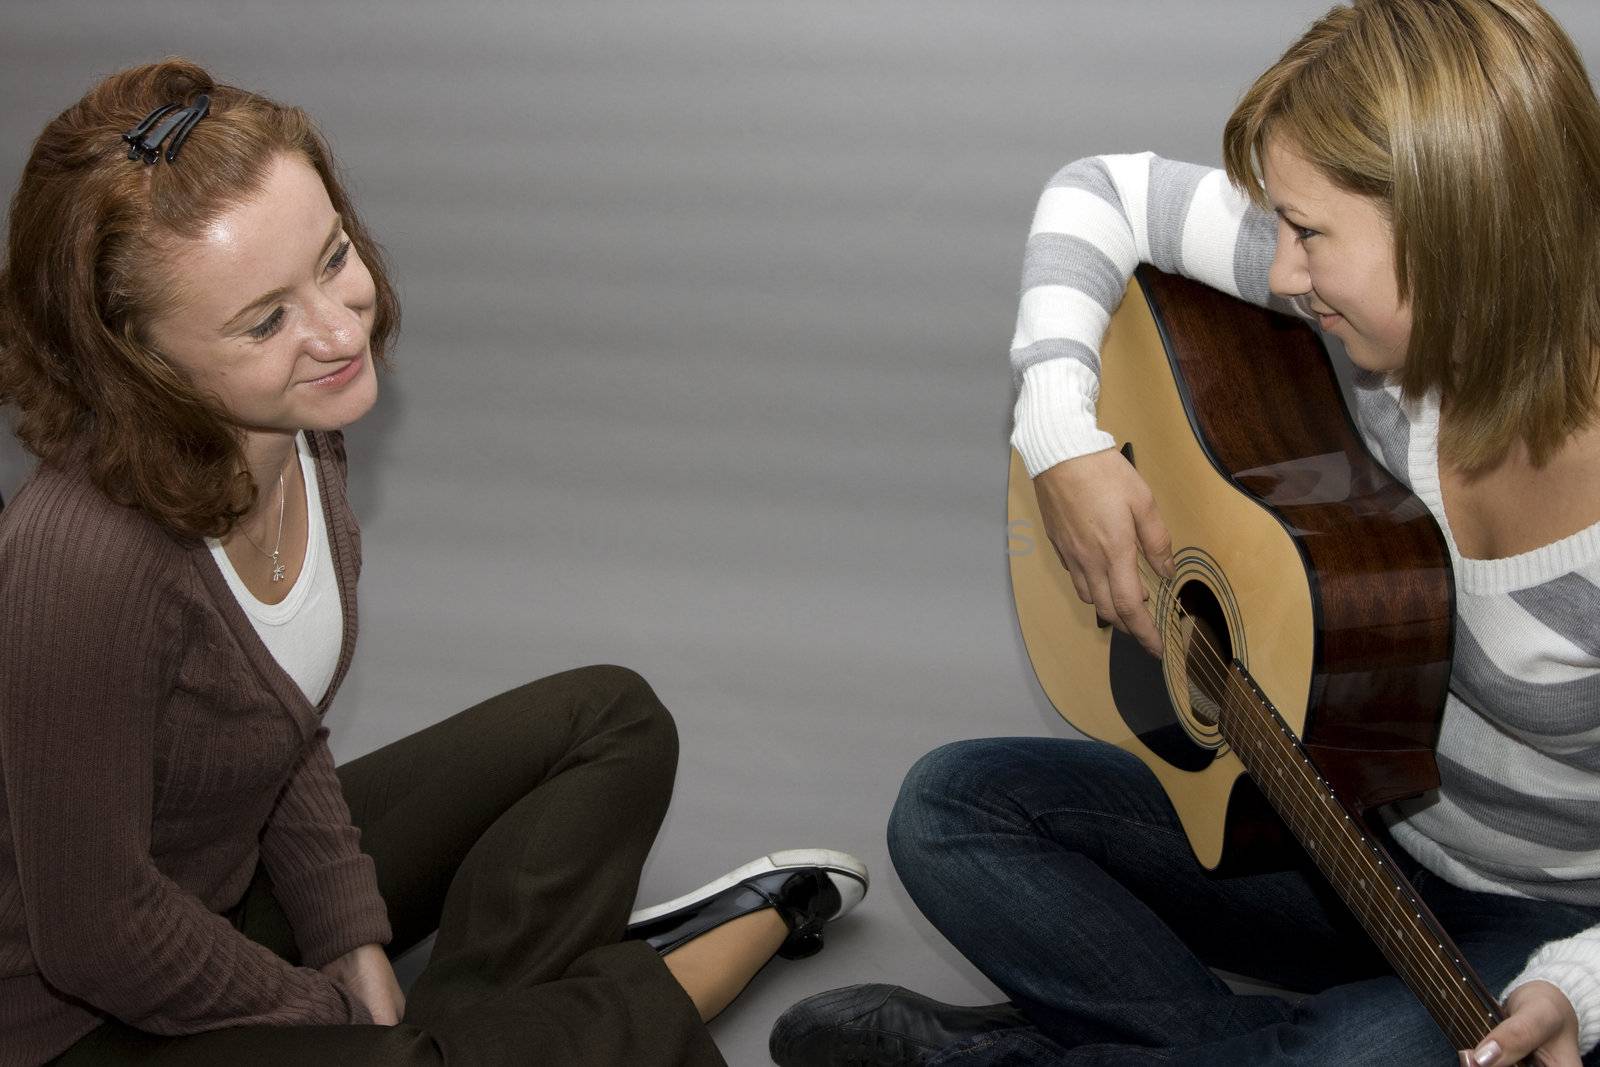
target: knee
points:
(929, 809)
(404, 1045)
(981, 786)
(628, 709)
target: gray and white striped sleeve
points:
(1097, 219)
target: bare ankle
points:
(716, 966)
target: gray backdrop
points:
(703, 366)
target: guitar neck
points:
(1356, 865)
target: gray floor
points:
(703, 369)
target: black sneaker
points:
(878, 1024)
(809, 887)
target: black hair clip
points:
(142, 144)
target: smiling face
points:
(1335, 257)
(271, 310)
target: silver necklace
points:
(277, 566)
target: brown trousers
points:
(517, 829)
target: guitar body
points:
(1297, 555)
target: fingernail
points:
(1486, 1054)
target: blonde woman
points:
(1422, 178)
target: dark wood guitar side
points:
(1309, 629)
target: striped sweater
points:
(1518, 807)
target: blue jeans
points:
(1060, 870)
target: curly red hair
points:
(83, 277)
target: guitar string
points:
(1364, 863)
(1468, 1017)
(1393, 921)
(1370, 864)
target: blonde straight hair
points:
(1473, 124)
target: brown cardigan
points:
(151, 751)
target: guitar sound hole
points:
(1207, 651)
(1154, 697)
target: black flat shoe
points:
(878, 1024)
(808, 886)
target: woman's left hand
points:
(1540, 1027)
(366, 972)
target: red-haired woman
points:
(190, 313)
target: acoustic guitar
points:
(1307, 634)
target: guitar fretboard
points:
(1357, 866)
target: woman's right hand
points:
(1099, 514)
(368, 975)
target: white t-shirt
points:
(303, 631)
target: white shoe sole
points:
(848, 874)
